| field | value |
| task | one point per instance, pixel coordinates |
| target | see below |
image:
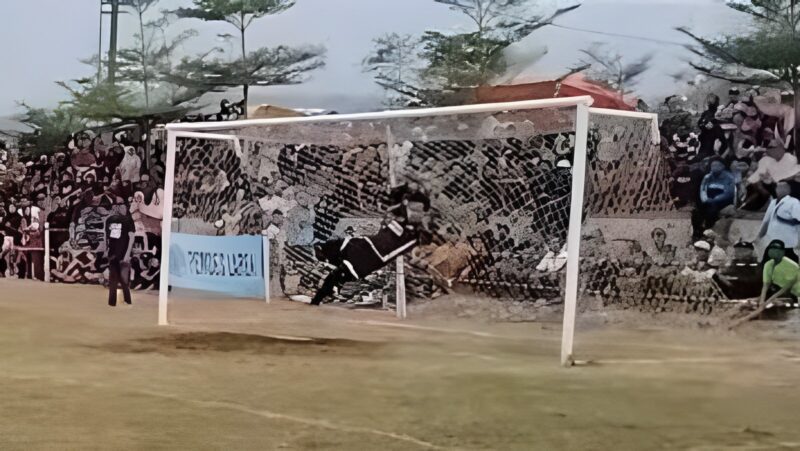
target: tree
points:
(152, 52)
(458, 60)
(474, 58)
(462, 60)
(280, 65)
(97, 103)
(264, 66)
(94, 103)
(51, 128)
(146, 68)
(140, 7)
(767, 54)
(608, 68)
(140, 88)
(394, 63)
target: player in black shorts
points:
(119, 243)
(357, 257)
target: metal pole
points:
(400, 277)
(112, 49)
(574, 233)
(401, 288)
(166, 220)
(100, 48)
(166, 229)
(795, 103)
(47, 252)
(266, 273)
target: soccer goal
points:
(384, 207)
(634, 251)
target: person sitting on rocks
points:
(777, 165)
(716, 192)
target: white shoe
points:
(301, 298)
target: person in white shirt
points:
(781, 222)
(130, 166)
(777, 165)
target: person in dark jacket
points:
(357, 257)
(712, 138)
(119, 231)
(716, 192)
(741, 277)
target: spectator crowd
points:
(73, 191)
(734, 160)
(738, 160)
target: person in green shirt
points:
(781, 275)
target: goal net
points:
(484, 192)
(634, 249)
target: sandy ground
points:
(238, 375)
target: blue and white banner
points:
(230, 264)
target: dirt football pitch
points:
(76, 374)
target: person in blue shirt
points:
(717, 191)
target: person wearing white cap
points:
(701, 270)
(702, 246)
(717, 257)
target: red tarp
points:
(572, 86)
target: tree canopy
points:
(453, 60)
(262, 67)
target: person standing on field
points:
(120, 231)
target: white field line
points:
(663, 361)
(429, 329)
(792, 358)
(237, 407)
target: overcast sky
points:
(42, 41)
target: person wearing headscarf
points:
(130, 166)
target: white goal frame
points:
(582, 104)
(655, 133)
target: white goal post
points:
(166, 221)
(228, 131)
